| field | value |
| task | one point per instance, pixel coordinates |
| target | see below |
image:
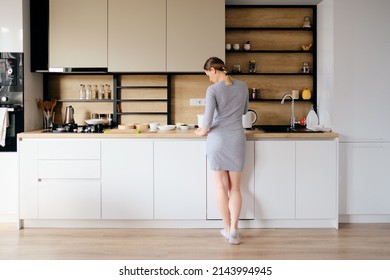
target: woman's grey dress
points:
(226, 141)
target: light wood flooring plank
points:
(351, 241)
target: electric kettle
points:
(249, 119)
(69, 115)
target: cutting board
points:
(121, 131)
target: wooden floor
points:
(351, 241)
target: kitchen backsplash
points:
(65, 88)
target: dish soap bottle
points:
(311, 118)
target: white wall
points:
(360, 104)
(325, 61)
(354, 88)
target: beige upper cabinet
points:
(164, 35)
(136, 35)
(78, 33)
(195, 32)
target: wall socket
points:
(197, 102)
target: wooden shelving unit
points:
(276, 35)
(141, 96)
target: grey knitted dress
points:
(226, 141)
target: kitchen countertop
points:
(173, 134)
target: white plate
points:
(94, 121)
(166, 127)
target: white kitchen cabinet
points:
(316, 179)
(69, 199)
(296, 179)
(78, 33)
(157, 182)
(195, 32)
(60, 179)
(127, 179)
(137, 35)
(179, 179)
(247, 189)
(69, 179)
(11, 26)
(275, 179)
(28, 179)
(365, 177)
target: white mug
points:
(228, 47)
(236, 47)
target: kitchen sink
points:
(284, 129)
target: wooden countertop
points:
(173, 134)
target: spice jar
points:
(255, 94)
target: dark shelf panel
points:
(86, 100)
(269, 51)
(142, 100)
(272, 28)
(273, 74)
(277, 100)
(142, 113)
(119, 87)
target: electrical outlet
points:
(197, 102)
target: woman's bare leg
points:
(229, 202)
(235, 199)
(222, 191)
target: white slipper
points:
(234, 239)
(224, 234)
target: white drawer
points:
(69, 199)
(69, 169)
(69, 149)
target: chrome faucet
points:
(292, 118)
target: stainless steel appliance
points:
(69, 113)
(74, 128)
(11, 96)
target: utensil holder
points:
(48, 120)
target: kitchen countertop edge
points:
(189, 134)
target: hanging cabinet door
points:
(77, 33)
(196, 31)
(136, 35)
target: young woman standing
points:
(226, 102)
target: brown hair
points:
(219, 65)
